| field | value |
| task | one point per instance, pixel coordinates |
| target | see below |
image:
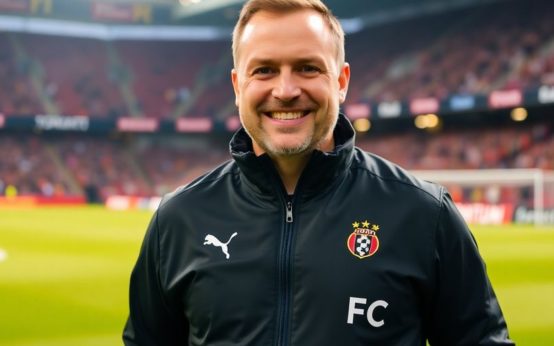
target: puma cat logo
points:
(211, 240)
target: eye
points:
(264, 70)
(309, 69)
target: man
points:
(304, 239)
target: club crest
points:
(363, 241)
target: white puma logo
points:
(211, 240)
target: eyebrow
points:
(300, 61)
(311, 60)
(263, 61)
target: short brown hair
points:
(251, 7)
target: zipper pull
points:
(289, 211)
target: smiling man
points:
(304, 239)
(288, 90)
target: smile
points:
(287, 115)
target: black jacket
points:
(362, 254)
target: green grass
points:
(66, 276)
(520, 263)
(65, 279)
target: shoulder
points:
(392, 176)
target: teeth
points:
(286, 115)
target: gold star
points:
(356, 224)
(365, 224)
(375, 227)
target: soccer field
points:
(64, 275)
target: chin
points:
(289, 149)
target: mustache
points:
(292, 105)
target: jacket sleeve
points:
(153, 319)
(465, 310)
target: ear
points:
(344, 79)
(234, 80)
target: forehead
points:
(310, 19)
(272, 33)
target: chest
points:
(341, 264)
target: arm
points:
(465, 310)
(153, 320)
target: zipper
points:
(289, 218)
(284, 276)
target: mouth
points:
(289, 115)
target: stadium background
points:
(106, 105)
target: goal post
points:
(523, 195)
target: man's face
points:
(287, 82)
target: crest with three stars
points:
(363, 241)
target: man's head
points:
(290, 76)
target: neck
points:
(290, 168)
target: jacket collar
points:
(321, 171)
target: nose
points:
(286, 88)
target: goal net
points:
(494, 196)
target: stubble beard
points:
(305, 147)
(266, 143)
(301, 148)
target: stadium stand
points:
(455, 53)
(471, 51)
(136, 166)
(144, 165)
(167, 76)
(26, 164)
(17, 95)
(458, 52)
(521, 146)
(77, 74)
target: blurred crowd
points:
(473, 50)
(509, 147)
(70, 165)
(518, 146)
(149, 165)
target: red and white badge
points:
(363, 241)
